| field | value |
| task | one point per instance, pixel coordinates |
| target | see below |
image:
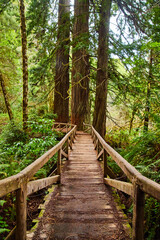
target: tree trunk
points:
(132, 118)
(10, 114)
(147, 107)
(99, 117)
(80, 65)
(25, 64)
(61, 92)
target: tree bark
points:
(25, 64)
(80, 65)
(99, 117)
(147, 107)
(61, 91)
(8, 106)
(132, 118)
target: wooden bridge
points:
(82, 205)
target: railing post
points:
(59, 162)
(97, 147)
(21, 212)
(67, 148)
(138, 213)
(74, 135)
(105, 162)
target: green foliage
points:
(13, 133)
(4, 4)
(3, 224)
(17, 150)
(2, 202)
(152, 218)
(143, 152)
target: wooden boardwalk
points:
(81, 207)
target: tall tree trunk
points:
(80, 65)
(25, 64)
(61, 94)
(99, 117)
(8, 106)
(147, 107)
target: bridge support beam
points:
(21, 209)
(138, 213)
(105, 162)
(59, 163)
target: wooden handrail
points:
(20, 182)
(137, 188)
(12, 183)
(146, 185)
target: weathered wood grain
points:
(39, 184)
(100, 154)
(122, 186)
(21, 212)
(64, 154)
(12, 183)
(146, 185)
(138, 213)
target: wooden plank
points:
(101, 152)
(138, 214)
(70, 144)
(64, 154)
(105, 162)
(88, 129)
(21, 212)
(122, 186)
(12, 183)
(52, 173)
(149, 186)
(59, 162)
(36, 185)
(95, 146)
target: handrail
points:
(147, 185)
(137, 188)
(12, 183)
(20, 182)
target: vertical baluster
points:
(105, 162)
(67, 148)
(59, 162)
(97, 147)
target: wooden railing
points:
(62, 127)
(137, 187)
(23, 186)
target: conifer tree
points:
(25, 64)
(80, 65)
(61, 91)
(99, 118)
(6, 99)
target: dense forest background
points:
(94, 61)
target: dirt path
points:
(82, 207)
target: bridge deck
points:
(82, 207)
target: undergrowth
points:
(19, 149)
(142, 150)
